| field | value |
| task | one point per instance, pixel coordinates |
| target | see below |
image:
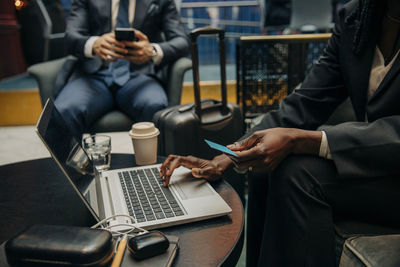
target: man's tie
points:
(120, 68)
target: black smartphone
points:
(125, 34)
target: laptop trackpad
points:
(189, 187)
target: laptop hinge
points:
(100, 200)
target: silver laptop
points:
(134, 191)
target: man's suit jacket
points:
(158, 19)
(359, 149)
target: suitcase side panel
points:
(184, 134)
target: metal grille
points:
(241, 17)
(270, 67)
(314, 51)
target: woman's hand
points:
(264, 150)
(211, 170)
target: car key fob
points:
(147, 245)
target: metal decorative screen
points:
(270, 67)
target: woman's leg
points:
(303, 195)
(256, 209)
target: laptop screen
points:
(65, 148)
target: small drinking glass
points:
(98, 148)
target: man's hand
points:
(108, 48)
(264, 150)
(140, 51)
(210, 170)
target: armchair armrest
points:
(175, 83)
(46, 73)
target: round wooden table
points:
(37, 192)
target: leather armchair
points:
(46, 74)
(371, 250)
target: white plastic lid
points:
(143, 130)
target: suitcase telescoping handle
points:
(195, 63)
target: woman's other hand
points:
(211, 170)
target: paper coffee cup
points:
(144, 140)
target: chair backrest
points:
(47, 73)
(42, 30)
(317, 13)
(270, 67)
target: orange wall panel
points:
(19, 107)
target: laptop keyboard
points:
(146, 198)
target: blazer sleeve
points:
(320, 93)
(358, 149)
(77, 32)
(367, 149)
(176, 44)
(364, 150)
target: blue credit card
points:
(221, 148)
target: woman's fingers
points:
(173, 161)
(165, 165)
(245, 143)
(172, 166)
(201, 168)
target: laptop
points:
(136, 191)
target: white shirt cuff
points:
(324, 150)
(160, 54)
(88, 49)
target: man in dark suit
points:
(120, 74)
(301, 177)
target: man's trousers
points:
(84, 100)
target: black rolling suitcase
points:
(183, 128)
